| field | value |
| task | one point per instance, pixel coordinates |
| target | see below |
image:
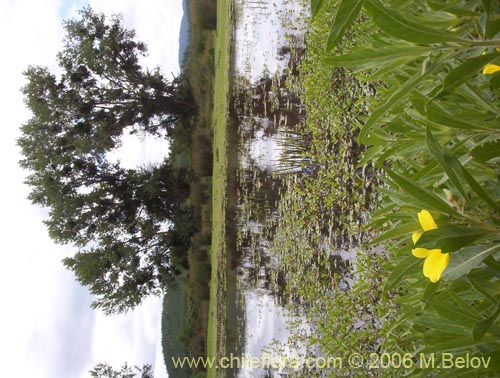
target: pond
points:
(264, 111)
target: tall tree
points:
(103, 83)
(118, 218)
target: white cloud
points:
(137, 150)
(46, 318)
(131, 337)
(26, 280)
(157, 22)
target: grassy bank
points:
(218, 258)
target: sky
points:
(46, 325)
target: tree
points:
(118, 218)
(102, 83)
(104, 370)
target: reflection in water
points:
(268, 331)
(263, 108)
(264, 150)
(263, 27)
(271, 147)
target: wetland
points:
(269, 165)
(327, 155)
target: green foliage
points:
(433, 128)
(468, 258)
(368, 58)
(323, 213)
(347, 12)
(451, 238)
(315, 6)
(397, 25)
(202, 14)
(116, 217)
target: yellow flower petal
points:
(416, 236)
(490, 69)
(435, 264)
(426, 220)
(421, 253)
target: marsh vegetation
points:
(339, 152)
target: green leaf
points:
(420, 193)
(492, 28)
(396, 25)
(448, 8)
(466, 259)
(487, 6)
(440, 324)
(450, 238)
(465, 307)
(486, 17)
(429, 292)
(316, 6)
(436, 151)
(494, 360)
(453, 314)
(481, 288)
(398, 95)
(477, 187)
(453, 168)
(400, 271)
(487, 151)
(438, 115)
(459, 344)
(495, 80)
(388, 68)
(368, 58)
(475, 95)
(396, 232)
(455, 373)
(346, 14)
(481, 327)
(370, 155)
(493, 266)
(435, 337)
(464, 72)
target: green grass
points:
(215, 336)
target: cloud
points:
(131, 337)
(157, 22)
(68, 8)
(60, 345)
(30, 271)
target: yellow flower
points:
(435, 261)
(490, 69)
